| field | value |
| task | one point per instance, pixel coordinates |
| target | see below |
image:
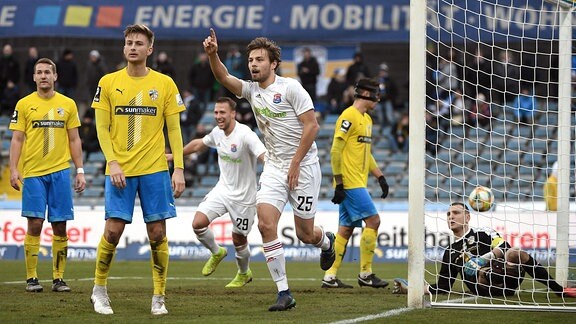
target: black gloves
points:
(339, 194)
(384, 186)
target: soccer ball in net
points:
(481, 199)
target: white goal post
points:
(472, 64)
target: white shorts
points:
(215, 205)
(304, 199)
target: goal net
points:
(493, 110)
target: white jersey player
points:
(285, 115)
(238, 149)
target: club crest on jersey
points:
(277, 98)
(345, 126)
(233, 148)
(470, 240)
(60, 111)
(153, 93)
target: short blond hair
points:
(140, 29)
(48, 61)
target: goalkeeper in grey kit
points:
(488, 265)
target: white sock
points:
(206, 237)
(243, 258)
(324, 243)
(274, 254)
(99, 290)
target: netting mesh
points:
(492, 103)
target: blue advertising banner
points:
(178, 251)
(297, 20)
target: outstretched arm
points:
(219, 70)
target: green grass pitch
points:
(192, 298)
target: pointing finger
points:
(213, 34)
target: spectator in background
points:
(524, 105)
(235, 62)
(457, 107)
(89, 135)
(201, 80)
(479, 113)
(29, 70)
(505, 78)
(551, 189)
(8, 99)
(191, 116)
(163, 64)
(431, 134)
(9, 68)
(399, 134)
(95, 69)
(387, 92)
(308, 71)
(67, 74)
(477, 75)
(357, 70)
(192, 161)
(446, 78)
(335, 92)
(245, 115)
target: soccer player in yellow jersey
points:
(351, 162)
(45, 133)
(131, 107)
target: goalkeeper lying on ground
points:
(488, 265)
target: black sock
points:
(539, 273)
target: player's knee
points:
(514, 255)
(373, 222)
(200, 222)
(266, 227)
(112, 237)
(239, 240)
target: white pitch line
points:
(390, 313)
(199, 278)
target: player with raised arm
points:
(285, 116)
(132, 105)
(488, 265)
(45, 134)
(238, 150)
(352, 161)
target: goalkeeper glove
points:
(400, 286)
(473, 265)
(384, 186)
(339, 194)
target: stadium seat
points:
(93, 192)
(395, 168)
(200, 192)
(208, 181)
(400, 193)
(98, 181)
(96, 157)
(330, 119)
